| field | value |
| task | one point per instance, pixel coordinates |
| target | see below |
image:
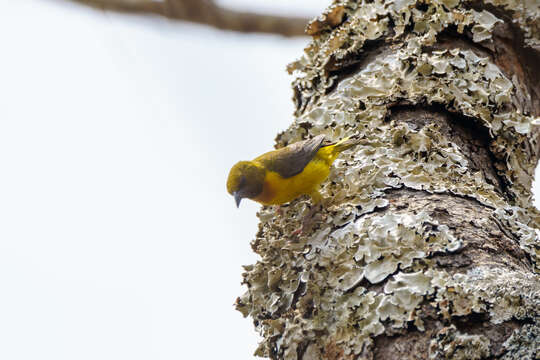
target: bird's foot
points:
(297, 232)
(307, 221)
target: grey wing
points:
(292, 159)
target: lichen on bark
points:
(426, 246)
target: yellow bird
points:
(282, 175)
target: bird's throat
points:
(267, 194)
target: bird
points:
(280, 176)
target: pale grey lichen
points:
(468, 87)
(474, 87)
(373, 248)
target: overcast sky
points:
(117, 237)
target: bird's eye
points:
(242, 182)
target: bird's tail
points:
(348, 143)
(331, 151)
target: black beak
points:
(237, 198)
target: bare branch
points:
(208, 13)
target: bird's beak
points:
(237, 198)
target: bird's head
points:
(245, 180)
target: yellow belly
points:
(278, 190)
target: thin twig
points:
(208, 13)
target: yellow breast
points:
(278, 190)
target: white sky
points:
(117, 237)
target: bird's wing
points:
(292, 159)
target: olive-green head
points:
(245, 180)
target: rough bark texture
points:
(208, 13)
(426, 247)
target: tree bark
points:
(206, 12)
(426, 247)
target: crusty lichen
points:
(523, 344)
(504, 295)
(451, 344)
(369, 266)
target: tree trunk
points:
(426, 246)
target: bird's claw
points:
(307, 222)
